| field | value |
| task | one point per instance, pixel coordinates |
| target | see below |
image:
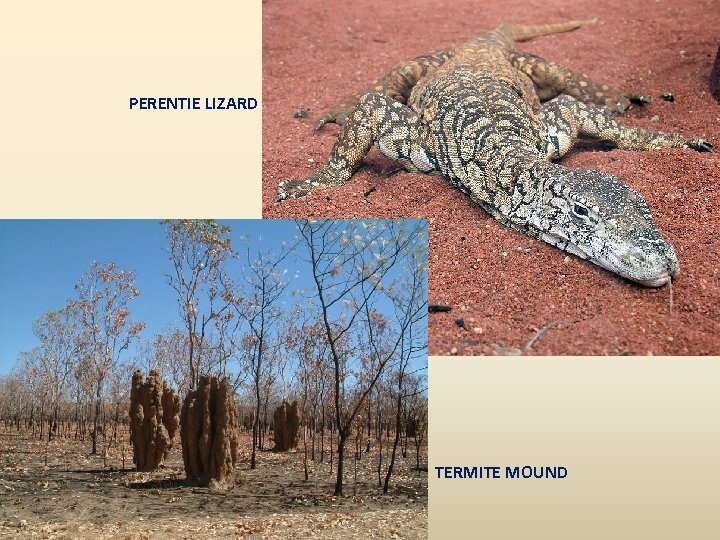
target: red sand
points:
(504, 286)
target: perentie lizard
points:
(489, 118)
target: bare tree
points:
(413, 342)
(57, 332)
(13, 398)
(409, 348)
(198, 250)
(417, 414)
(306, 342)
(167, 353)
(38, 386)
(355, 266)
(260, 289)
(104, 293)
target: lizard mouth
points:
(647, 269)
(651, 265)
(661, 280)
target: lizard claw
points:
(281, 194)
(625, 101)
(288, 189)
(324, 119)
(294, 189)
(332, 117)
(700, 145)
(639, 99)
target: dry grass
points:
(75, 496)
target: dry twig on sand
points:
(540, 332)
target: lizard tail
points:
(524, 33)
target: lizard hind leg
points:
(396, 130)
(565, 118)
(551, 79)
(398, 84)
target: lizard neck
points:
(510, 185)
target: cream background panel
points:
(640, 438)
(71, 147)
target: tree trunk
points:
(42, 420)
(342, 438)
(306, 452)
(266, 424)
(391, 465)
(53, 423)
(312, 436)
(95, 424)
(369, 428)
(254, 440)
(256, 419)
(404, 446)
(322, 436)
(380, 460)
(332, 431)
(417, 452)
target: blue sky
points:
(44, 259)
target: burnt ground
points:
(507, 289)
(77, 495)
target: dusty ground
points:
(74, 496)
(505, 289)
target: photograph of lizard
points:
(539, 157)
(474, 116)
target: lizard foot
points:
(639, 99)
(699, 145)
(329, 118)
(294, 189)
(623, 102)
(338, 115)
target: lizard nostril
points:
(635, 254)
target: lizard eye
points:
(579, 210)
(583, 215)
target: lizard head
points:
(596, 216)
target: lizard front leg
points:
(397, 84)
(397, 131)
(552, 79)
(565, 118)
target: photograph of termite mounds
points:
(567, 171)
(214, 378)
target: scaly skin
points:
(476, 116)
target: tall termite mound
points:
(208, 433)
(286, 423)
(154, 410)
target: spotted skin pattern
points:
(490, 118)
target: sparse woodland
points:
(332, 375)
